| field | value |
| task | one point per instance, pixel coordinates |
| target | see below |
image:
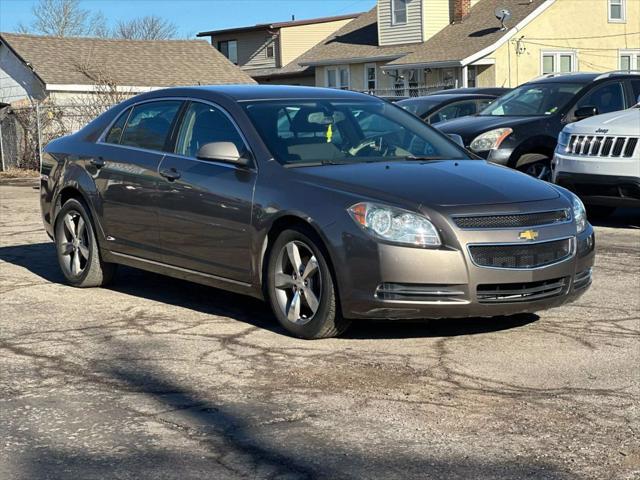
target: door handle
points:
(97, 162)
(170, 174)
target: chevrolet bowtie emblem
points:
(528, 235)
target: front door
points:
(204, 207)
(126, 164)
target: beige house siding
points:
(252, 48)
(410, 32)
(568, 26)
(435, 18)
(296, 40)
(486, 76)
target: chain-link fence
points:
(25, 130)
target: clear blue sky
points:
(192, 16)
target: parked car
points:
(493, 91)
(599, 159)
(440, 108)
(521, 128)
(323, 215)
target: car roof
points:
(266, 92)
(449, 96)
(584, 78)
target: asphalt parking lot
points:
(158, 378)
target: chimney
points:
(461, 9)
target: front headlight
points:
(563, 141)
(579, 214)
(395, 225)
(490, 140)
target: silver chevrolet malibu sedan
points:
(330, 205)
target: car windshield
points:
(537, 99)
(302, 132)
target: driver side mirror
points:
(456, 138)
(585, 112)
(222, 152)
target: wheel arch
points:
(285, 222)
(538, 145)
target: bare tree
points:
(64, 18)
(150, 27)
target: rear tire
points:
(300, 287)
(77, 249)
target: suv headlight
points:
(579, 214)
(563, 141)
(490, 140)
(395, 225)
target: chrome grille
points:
(522, 292)
(516, 256)
(512, 221)
(601, 146)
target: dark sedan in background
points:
(521, 128)
(442, 107)
(332, 205)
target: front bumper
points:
(613, 182)
(411, 283)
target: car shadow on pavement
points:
(621, 218)
(40, 259)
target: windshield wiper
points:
(425, 158)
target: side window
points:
(606, 98)
(482, 104)
(149, 124)
(115, 133)
(455, 110)
(202, 124)
(635, 87)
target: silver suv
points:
(599, 159)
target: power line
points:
(590, 38)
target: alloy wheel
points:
(298, 282)
(74, 244)
(539, 170)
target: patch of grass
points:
(19, 173)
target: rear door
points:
(205, 206)
(127, 176)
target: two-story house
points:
(263, 50)
(403, 47)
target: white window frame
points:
(633, 53)
(623, 11)
(367, 66)
(394, 21)
(339, 84)
(556, 60)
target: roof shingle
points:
(139, 63)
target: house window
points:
(558, 62)
(630, 60)
(398, 12)
(616, 10)
(338, 77)
(370, 77)
(472, 75)
(229, 48)
(270, 51)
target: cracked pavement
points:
(158, 378)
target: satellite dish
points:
(502, 14)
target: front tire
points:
(300, 287)
(77, 248)
(535, 165)
(599, 212)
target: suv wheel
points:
(536, 165)
(78, 252)
(301, 288)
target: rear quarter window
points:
(115, 132)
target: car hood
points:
(470, 127)
(625, 122)
(444, 183)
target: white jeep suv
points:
(599, 160)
